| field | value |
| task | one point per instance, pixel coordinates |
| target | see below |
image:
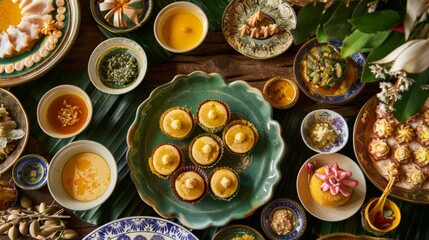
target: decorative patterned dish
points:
(236, 231)
(256, 186)
(136, 14)
(342, 92)
(30, 172)
(379, 169)
(333, 123)
(337, 213)
(141, 228)
(47, 52)
(297, 219)
(18, 114)
(251, 38)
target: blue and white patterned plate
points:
(141, 228)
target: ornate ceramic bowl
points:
(30, 172)
(276, 12)
(17, 112)
(337, 95)
(141, 9)
(337, 123)
(298, 219)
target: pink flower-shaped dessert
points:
(335, 180)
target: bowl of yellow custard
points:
(181, 27)
(82, 175)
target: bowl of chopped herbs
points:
(117, 65)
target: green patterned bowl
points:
(258, 172)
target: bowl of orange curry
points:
(324, 75)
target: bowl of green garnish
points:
(117, 65)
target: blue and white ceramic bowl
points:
(30, 172)
(337, 122)
(298, 219)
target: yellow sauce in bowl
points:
(281, 92)
(10, 14)
(85, 176)
(182, 30)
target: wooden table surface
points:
(214, 55)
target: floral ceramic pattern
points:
(141, 228)
(299, 219)
(279, 11)
(337, 122)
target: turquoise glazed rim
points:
(256, 186)
(30, 172)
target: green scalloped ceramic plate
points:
(258, 173)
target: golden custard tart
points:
(165, 159)
(177, 123)
(213, 115)
(189, 184)
(422, 135)
(224, 183)
(240, 137)
(205, 150)
(404, 133)
(421, 156)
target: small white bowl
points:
(56, 167)
(49, 97)
(110, 46)
(174, 8)
(336, 121)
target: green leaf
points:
(337, 27)
(413, 99)
(307, 21)
(376, 21)
(361, 8)
(359, 40)
(320, 31)
(394, 40)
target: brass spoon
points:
(379, 206)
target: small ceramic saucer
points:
(298, 219)
(30, 172)
(234, 231)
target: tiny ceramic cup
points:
(64, 98)
(281, 93)
(369, 225)
(181, 27)
(30, 172)
(103, 53)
